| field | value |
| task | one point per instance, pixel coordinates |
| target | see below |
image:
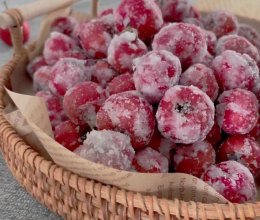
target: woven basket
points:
(74, 197)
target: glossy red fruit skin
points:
(185, 114)
(143, 15)
(194, 158)
(121, 83)
(237, 111)
(5, 34)
(186, 41)
(201, 76)
(128, 113)
(82, 102)
(242, 149)
(232, 180)
(68, 134)
(150, 161)
(221, 23)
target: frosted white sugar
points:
(110, 148)
(141, 127)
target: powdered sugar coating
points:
(155, 73)
(194, 21)
(129, 113)
(207, 60)
(95, 38)
(68, 134)
(233, 70)
(123, 49)
(185, 114)
(56, 46)
(177, 10)
(250, 33)
(255, 132)
(202, 77)
(107, 16)
(194, 159)
(82, 102)
(143, 15)
(232, 180)
(150, 161)
(121, 83)
(185, 41)
(238, 44)
(237, 111)
(221, 23)
(242, 149)
(54, 107)
(64, 25)
(66, 73)
(41, 78)
(35, 64)
(110, 148)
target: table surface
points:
(15, 202)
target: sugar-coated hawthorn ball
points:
(194, 158)
(95, 38)
(215, 135)
(124, 48)
(242, 149)
(56, 46)
(69, 135)
(232, 180)
(66, 73)
(237, 111)
(129, 113)
(41, 78)
(54, 107)
(221, 23)
(177, 10)
(143, 15)
(234, 70)
(64, 25)
(101, 71)
(238, 44)
(107, 16)
(194, 21)
(211, 41)
(121, 83)
(82, 102)
(161, 144)
(155, 73)
(110, 148)
(185, 114)
(250, 33)
(202, 77)
(35, 64)
(150, 161)
(185, 41)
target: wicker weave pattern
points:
(74, 197)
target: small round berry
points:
(150, 161)
(243, 150)
(64, 25)
(232, 180)
(234, 70)
(194, 159)
(35, 64)
(155, 73)
(185, 41)
(123, 49)
(82, 102)
(185, 114)
(221, 23)
(129, 113)
(202, 77)
(110, 148)
(237, 111)
(238, 44)
(250, 33)
(95, 38)
(119, 84)
(143, 15)
(66, 73)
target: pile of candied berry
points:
(154, 87)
